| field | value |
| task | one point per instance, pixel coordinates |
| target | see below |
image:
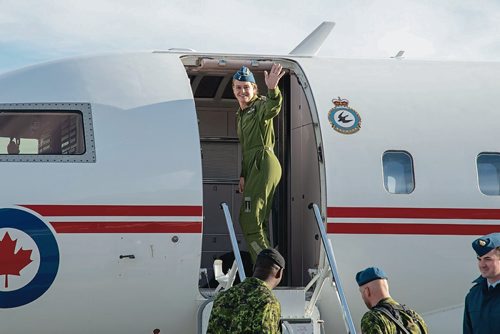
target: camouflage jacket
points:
(247, 308)
(375, 322)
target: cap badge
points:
(482, 243)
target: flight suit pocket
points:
(248, 204)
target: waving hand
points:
(274, 76)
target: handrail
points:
(234, 241)
(285, 328)
(333, 267)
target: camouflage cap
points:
(486, 244)
(273, 255)
(370, 274)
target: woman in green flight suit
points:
(260, 170)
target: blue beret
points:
(370, 274)
(486, 244)
(244, 74)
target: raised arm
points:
(274, 98)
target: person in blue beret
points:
(260, 168)
(386, 316)
(482, 303)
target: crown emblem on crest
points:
(340, 102)
(343, 118)
(482, 243)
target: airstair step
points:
(298, 326)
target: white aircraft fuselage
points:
(119, 209)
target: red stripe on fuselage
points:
(127, 227)
(421, 213)
(116, 210)
(411, 228)
(333, 212)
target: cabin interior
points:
(292, 224)
(41, 132)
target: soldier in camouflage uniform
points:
(260, 168)
(250, 307)
(386, 316)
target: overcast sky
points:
(32, 31)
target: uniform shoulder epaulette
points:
(477, 282)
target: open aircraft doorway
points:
(292, 227)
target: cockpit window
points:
(399, 177)
(46, 132)
(488, 171)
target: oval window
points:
(398, 172)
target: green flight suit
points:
(375, 322)
(260, 168)
(247, 308)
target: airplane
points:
(114, 168)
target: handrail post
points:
(234, 241)
(333, 266)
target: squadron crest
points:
(343, 118)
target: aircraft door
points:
(305, 187)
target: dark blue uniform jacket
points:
(482, 309)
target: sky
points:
(33, 31)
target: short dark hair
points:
(266, 263)
(265, 268)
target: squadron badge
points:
(342, 118)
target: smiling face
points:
(489, 265)
(244, 92)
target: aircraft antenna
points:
(312, 43)
(182, 49)
(399, 55)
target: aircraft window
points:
(208, 87)
(399, 177)
(488, 171)
(55, 132)
(228, 91)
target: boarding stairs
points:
(298, 315)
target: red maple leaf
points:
(12, 263)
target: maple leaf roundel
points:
(17, 260)
(15, 257)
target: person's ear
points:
(368, 292)
(279, 274)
